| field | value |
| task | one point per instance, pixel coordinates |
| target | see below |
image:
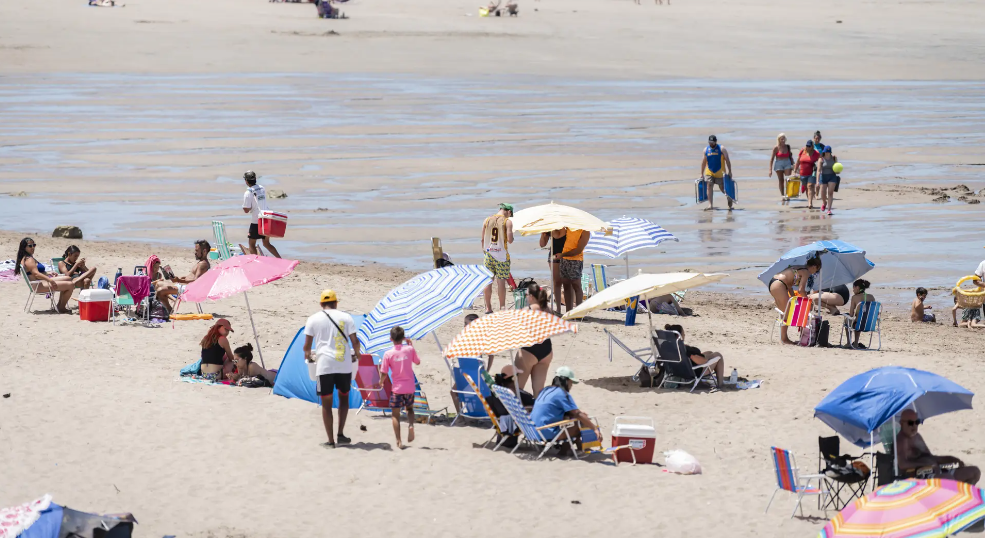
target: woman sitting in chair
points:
(860, 295)
(782, 287)
(215, 352)
(554, 404)
(73, 266)
(41, 282)
(832, 298)
(699, 357)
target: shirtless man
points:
(177, 285)
(912, 453)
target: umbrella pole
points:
(254, 334)
(894, 445)
(626, 265)
(444, 359)
(649, 312)
(514, 374)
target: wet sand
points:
(374, 166)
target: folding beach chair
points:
(530, 433)
(884, 469)
(600, 277)
(786, 473)
(585, 285)
(470, 407)
(678, 368)
(498, 436)
(865, 320)
(645, 355)
(221, 238)
(33, 290)
(55, 264)
(421, 405)
(795, 315)
(367, 377)
(122, 298)
(842, 483)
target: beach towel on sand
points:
(17, 519)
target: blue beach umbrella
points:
(628, 234)
(842, 263)
(862, 404)
(422, 304)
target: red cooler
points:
(95, 305)
(637, 432)
(272, 224)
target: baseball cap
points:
(809, 144)
(328, 296)
(567, 372)
(712, 138)
(509, 207)
(827, 149)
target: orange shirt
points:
(573, 238)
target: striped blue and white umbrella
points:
(628, 234)
(422, 304)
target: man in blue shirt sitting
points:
(555, 404)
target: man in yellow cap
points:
(333, 333)
(495, 236)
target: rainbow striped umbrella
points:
(910, 509)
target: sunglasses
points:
(913, 422)
(29, 245)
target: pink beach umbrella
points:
(238, 274)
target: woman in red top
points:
(808, 158)
(781, 162)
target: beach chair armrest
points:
(711, 361)
(811, 476)
(558, 424)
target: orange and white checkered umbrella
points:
(506, 329)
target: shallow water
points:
(396, 160)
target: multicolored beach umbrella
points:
(628, 234)
(505, 330)
(422, 304)
(910, 509)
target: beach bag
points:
(822, 340)
(680, 462)
(810, 332)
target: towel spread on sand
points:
(16, 519)
(7, 273)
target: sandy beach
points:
(412, 120)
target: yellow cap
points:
(328, 296)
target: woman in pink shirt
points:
(400, 362)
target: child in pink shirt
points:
(400, 362)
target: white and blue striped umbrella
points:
(422, 304)
(628, 234)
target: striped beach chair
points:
(421, 406)
(221, 240)
(470, 407)
(531, 435)
(600, 277)
(864, 320)
(498, 436)
(795, 315)
(786, 473)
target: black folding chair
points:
(842, 483)
(884, 469)
(678, 368)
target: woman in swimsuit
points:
(701, 357)
(832, 298)
(75, 267)
(860, 295)
(245, 368)
(36, 273)
(781, 161)
(782, 287)
(535, 360)
(827, 178)
(559, 238)
(215, 352)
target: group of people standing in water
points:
(815, 167)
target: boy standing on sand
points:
(254, 201)
(495, 237)
(919, 309)
(334, 332)
(400, 361)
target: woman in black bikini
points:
(215, 352)
(534, 360)
(246, 369)
(41, 282)
(832, 298)
(559, 238)
(781, 287)
(75, 267)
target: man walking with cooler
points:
(253, 202)
(333, 334)
(495, 237)
(715, 165)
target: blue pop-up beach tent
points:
(293, 381)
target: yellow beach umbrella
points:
(553, 216)
(643, 286)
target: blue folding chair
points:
(531, 435)
(865, 320)
(470, 405)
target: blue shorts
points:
(808, 179)
(829, 178)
